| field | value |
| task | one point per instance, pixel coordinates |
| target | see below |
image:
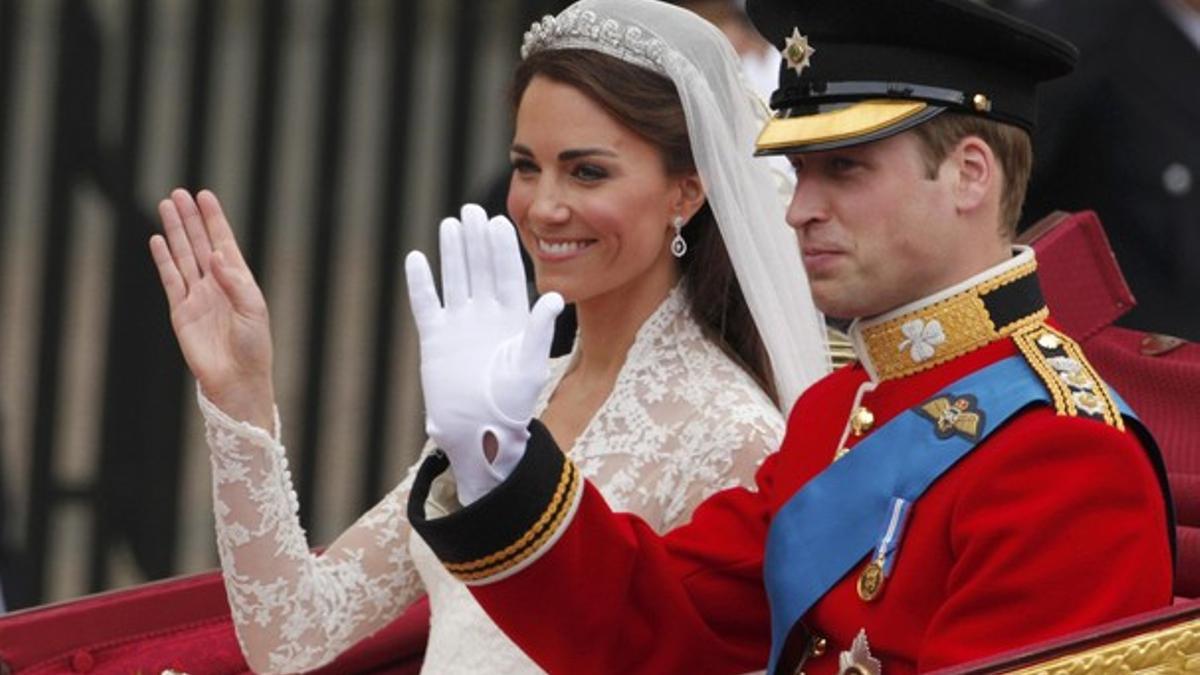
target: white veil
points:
(747, 196)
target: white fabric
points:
(1186, 17)
(682, 422)
(747, 196)
(483, 354)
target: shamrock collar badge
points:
(797, 52)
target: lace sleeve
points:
(295, 610)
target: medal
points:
(870, 582)
(873, 576)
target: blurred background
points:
(337, 134)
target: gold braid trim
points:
(555, 526)
(1018, 272)
(966, 326)
(1036, 344)
(547, 524)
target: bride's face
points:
(591, 199)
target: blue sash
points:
(827, 527)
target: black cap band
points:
(950, 54)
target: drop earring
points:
(678, 245)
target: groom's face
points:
(876, 228)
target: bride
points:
(634, 192)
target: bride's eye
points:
(523, 166)
(590, 172)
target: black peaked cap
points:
(877, 67)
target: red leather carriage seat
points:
(180, 625)
(1158, 376)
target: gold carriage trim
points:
(551, 520)
(932, 335)
(1171, 650)
(1073, 383)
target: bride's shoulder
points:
(722, 381)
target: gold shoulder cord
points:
(1073, 384)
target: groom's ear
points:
(691, 195)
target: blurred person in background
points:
(760, 61)
(696, 327)
(1121, 135)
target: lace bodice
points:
(682, 422)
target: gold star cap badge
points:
(797, 52)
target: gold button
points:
(1049, 341)
(862, 421)
(817, 649)
(982, 103)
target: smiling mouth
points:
(561, 250)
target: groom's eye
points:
(842, 164)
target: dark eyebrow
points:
(568, 155)
(565, 155)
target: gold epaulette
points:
(1073, 384)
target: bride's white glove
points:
(485, 354)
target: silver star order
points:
(858, 660)
(797, 51)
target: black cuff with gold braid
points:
(507, 527)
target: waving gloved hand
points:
(484, 354)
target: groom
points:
(969, 486)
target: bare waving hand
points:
(217, 309)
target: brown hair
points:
(647, 104)
(1011, 145)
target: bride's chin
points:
(564, 290)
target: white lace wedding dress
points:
(682, 422)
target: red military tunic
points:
(1053, 523)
